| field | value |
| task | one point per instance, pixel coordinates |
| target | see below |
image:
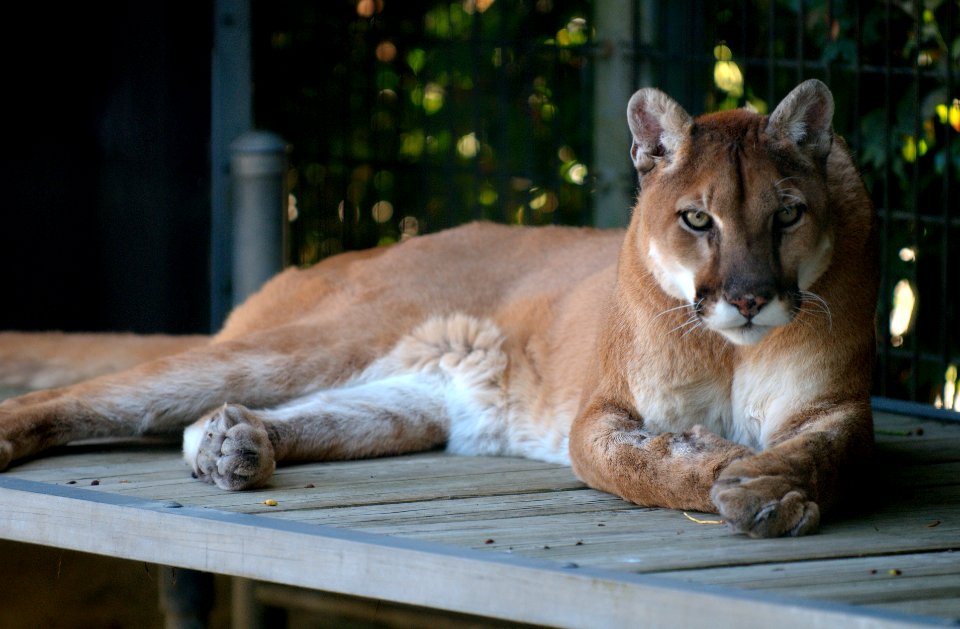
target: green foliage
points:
(469, 109)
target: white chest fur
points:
(679, 406)
(768, 391)
(747, 407)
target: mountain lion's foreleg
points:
(238, 448)
(611, 451)
(782, 490)
(165, 395)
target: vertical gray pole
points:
(258, 167)
(231, 115)
(612, 90)
(186, 597)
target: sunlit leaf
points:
(722, 53)
(728, 77)
(416, 59)
(488, 195)
(468, 146)
(433, 95)
(412, 144)
(909, 149)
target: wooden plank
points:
(903, 439)
(896, 572)
(400, 479)
(391, 569)
(625, 544)
(426, 476)
(922, 583)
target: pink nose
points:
(748, 305)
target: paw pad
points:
(235, 451)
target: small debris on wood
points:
(488, 541)
(124, 482)
(71, 482)
(579, 542)
(571, 565)
(874, 571)
(699, 521)
(309, 486)
(545, 547)
(933, 524)
(94, 482)
(895, 572)
(270, 502)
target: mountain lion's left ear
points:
(658, 125)
(805, 118)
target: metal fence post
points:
(258, 167)
(612, 89)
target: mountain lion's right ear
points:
(658, 125)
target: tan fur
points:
(673, 367)
(55, 359)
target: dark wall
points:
(104, 202)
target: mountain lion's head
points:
(733, 216)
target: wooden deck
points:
(515, 539)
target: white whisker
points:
(674, 309)
(815, 305)
(698, 327)
(692, 323)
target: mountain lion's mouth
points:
(748, 333)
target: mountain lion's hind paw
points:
(234, 449)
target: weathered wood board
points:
(488, 536)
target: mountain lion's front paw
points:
(230, 448)
(764, 506)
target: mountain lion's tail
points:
(52, 359)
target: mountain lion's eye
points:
(789, 215)
(697, 220)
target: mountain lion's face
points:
(734, 219)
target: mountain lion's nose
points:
(748, 305)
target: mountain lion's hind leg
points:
(448, 367)
(163, 396)
(238, 448)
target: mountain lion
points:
(716, 356)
